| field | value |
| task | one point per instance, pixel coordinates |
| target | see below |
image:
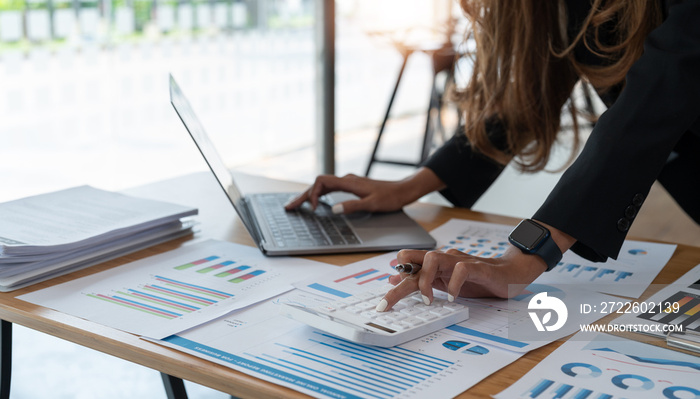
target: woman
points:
(643, 58)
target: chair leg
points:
(373, 157)
(174, 387)
(431, 125)
(5, 358)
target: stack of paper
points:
(51, 234)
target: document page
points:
(77, 216)
(593, 365)
(173, 291)
(288, 353)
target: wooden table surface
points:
(219, 221)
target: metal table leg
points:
(5, 358)
(174, 387)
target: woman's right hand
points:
(374, 195)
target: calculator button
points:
(375, 301)
(440, 311)
(339, 304)
(385, 320)
(327, 308)
(412, 321)
(396, 316)
(411, 311)
(366, 296)
(399, 326)
(365, 306)
(350, 301)
(353, 310)
(369, 315)
(453, 306)
(427, 316)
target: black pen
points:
(408, 268)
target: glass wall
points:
(84, 94)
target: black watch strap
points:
(549, 251)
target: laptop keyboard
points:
(301, 228)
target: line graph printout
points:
(170, 292)
(288, 353)
(600, 366)
(636, 267)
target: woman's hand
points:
(375, 195)
(464, 275)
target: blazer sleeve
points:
(466, 173)
(598, 197)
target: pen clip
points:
(691, 343)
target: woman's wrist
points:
(423, 182)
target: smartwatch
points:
(534, 239)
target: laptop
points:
(304, 231)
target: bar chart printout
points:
(688, 314)
(176, 290)
(352, 279)
(676, 304)
(600, 366)
(284, 352)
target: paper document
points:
(77, 217)
(603, 366)
(636, 267)
(176, 290)
(288, 353)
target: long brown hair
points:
(524, 69)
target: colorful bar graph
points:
(137, 306)
(384, 276)
(357, 275)
(180, 295)
(215, 267)
(246, 277)
(195, 263)
(180, 306)
(688, 313)
(229, 272)
(194, 288)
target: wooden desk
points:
(218, 220)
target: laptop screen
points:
(211, 156)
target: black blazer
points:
(650, 132)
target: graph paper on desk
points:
(167, 293)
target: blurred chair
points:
(439, 46)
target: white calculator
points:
(355, 319)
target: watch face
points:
(528, 235)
